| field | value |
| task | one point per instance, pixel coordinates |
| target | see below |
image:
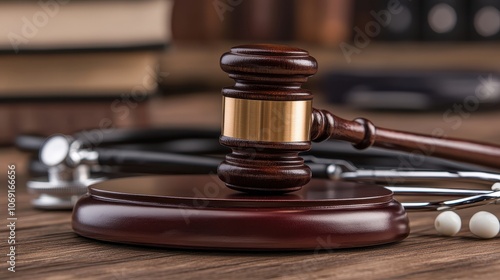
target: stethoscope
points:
(66, 165)
(72, 163)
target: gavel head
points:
(266, 118)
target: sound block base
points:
(200, 212)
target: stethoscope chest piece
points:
(62, 188)
(201, 212)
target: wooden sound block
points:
(200, 212)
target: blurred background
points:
(421, 65)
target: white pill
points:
(496, 187)
(484, 224)
(448, 223)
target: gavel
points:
(268, 119)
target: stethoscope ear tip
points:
(484, 225)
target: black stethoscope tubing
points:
(178, 150)
(194, 151)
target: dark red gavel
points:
(268, 119)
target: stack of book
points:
(56, 53)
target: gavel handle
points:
(363, 134)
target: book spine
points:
(67, 117)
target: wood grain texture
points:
(48, 249)
(179, 212)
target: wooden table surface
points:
(48, 248)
